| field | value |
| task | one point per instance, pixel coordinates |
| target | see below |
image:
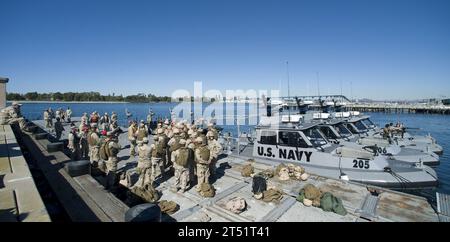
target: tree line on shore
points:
(86, 96)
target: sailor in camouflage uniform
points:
(203, 160)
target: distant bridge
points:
(400, 108)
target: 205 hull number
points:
(361, 164)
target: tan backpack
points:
(91, 140)
(104, 151)
(159, 150)
(204, 154)
(183, 157)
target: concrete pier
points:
(20, 200)
(82, 197)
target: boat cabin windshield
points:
(315, 137)
(368, 123)
(268, 137)
(329, 132)
(342, 130)
(292, 139)
(352, 128)
(360, 126)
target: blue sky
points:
(386, 49)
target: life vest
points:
(91, 140)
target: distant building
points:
(446, 101)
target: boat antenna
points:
(289, 90)
(318, 91)
(351, 91)
(318, 87)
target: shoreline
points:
(112, 102)
(22, 101)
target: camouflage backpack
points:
(142, 133)
(104, 151)
(163, 139)
(158, 151)
(175, 146)
(183, 157)
(204, 153)
(90, 139)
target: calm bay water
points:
(437, 125)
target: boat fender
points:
(147, 212)
(40, 136)
(54, 147)
(78, 168)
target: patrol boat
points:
(336, 132)
(303, 144)
(360, 132)
(370, 134)
(333, 106)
